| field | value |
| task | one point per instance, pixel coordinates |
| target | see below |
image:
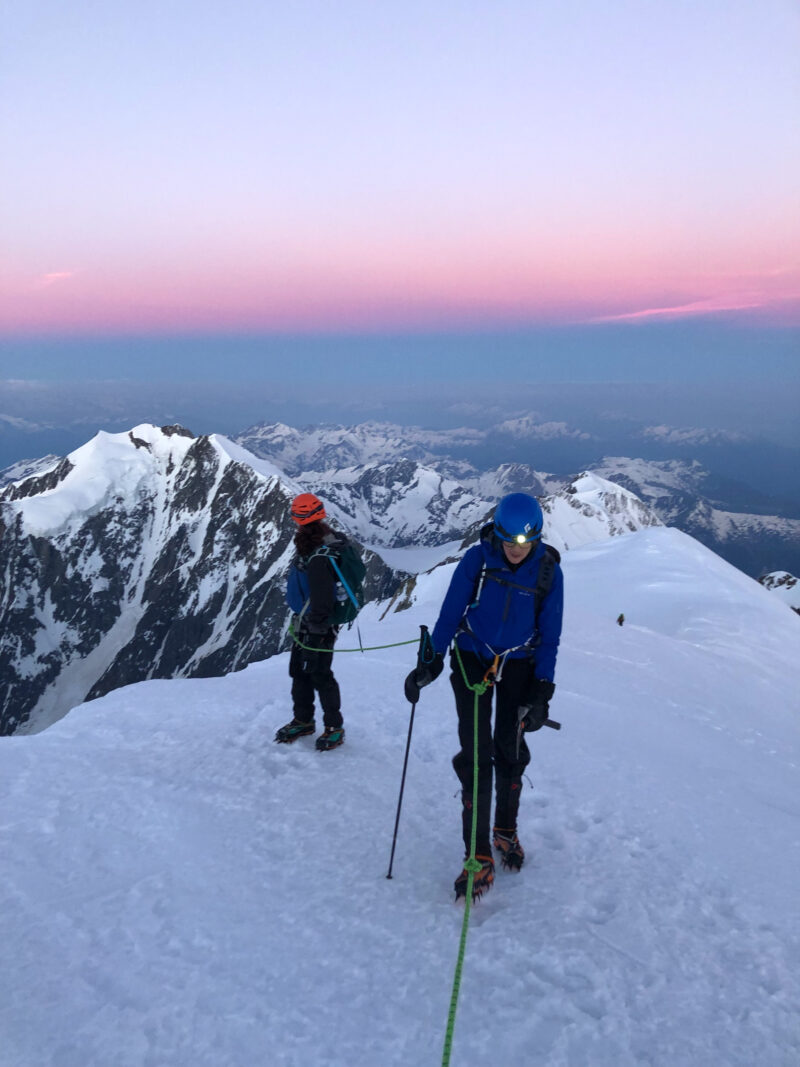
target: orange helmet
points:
(307, 508)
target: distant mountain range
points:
(357, 464)
(156, 554)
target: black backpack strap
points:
(547, 571)
(476, 592)
(544, 581)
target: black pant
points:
(496, 748)
(322, 681)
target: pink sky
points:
(431, 291)
(529, 163)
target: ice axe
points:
(522, 712)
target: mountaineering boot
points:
(512, 854)
(331, 738)
(481, 883)
(294, 729)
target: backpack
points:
(350, 571)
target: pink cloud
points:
(696, 307)
(53, 278)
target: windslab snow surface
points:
(178, 890)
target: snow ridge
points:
(180, 890)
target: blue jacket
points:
(504, 617)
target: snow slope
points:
(178, 890)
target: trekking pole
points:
(402, 787)
(423, 637)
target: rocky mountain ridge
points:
(344, 460)
(785, 586)
(151, 554)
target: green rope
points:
(471, 867)
(367, 648)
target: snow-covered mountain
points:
(151, 554)
(331, 448)
(405, 503)
(670, 486)
(343, 461)
(593, 509)
(328, 448)
(785, 586)
(412, 501)
(400, 503)
(178, 890)
(685, 495)
(25, 468)
(155, 554)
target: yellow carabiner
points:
(491, 675)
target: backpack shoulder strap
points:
(544, 581)
(547, 570)
(333, 553)
(329, 551)
(477, 588)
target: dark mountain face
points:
(148, 555)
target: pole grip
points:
(423, 646)
(552, 724)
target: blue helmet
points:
(518, 518)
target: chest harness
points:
(544, 582)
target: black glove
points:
(534, 714)
(423, 675)
(321, 644)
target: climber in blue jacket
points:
(502, 615)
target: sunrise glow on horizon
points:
(435, 169)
